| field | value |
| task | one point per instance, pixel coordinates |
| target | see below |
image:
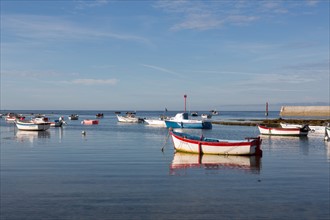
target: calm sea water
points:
(118, 171)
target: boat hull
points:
(282, 131)
(30, 126)
(126, 119)
(90, 122)
(190, 144)
(189, 124)
(56, 124)
(314, 129)
(155, 122)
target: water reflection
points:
(182, 162)
(31, 136)
(327, 146)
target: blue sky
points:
(145, 55)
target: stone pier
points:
(305, 111)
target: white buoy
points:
(83, 132)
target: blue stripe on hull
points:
(204, 125)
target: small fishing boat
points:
(36, 124)
(11, 117)
(194, 114)
(155, 122)
(73, 117)
(313, 129)
(159, 122)
(206, 116)
(129, 118)
(90, 122)
(181, 121)
(201, 145)
(214, 112)
(58, 123)
(284, 131)
(99, 115)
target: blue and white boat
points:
(181, 120)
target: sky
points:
(145, 55)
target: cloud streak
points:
(205, 15)
(91, 82)
(161, 69)
(56, 28)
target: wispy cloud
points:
(56, 28)
(161, 69)
(83, 4)
(90, 82)
(205, 15)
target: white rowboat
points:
(201, 145)
(284, 131)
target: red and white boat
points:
(90, 122)
(201, 145)
(11, 117)
(284, 131)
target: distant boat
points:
(90, 122)
(37, 124)
(58, 123)
(160, 122)
(99, 115)
(284, 131)
(181, 121)
(206, 116)
(314, 129)
(11, 117)
(201, 145)
(129, 118)
(73, 117)
(194, 114)
(214, 112)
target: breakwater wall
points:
(305, 111)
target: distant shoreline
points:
(273, 122)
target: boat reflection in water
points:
(184, 161)
(31, 136)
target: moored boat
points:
(206, 116)
(181, 121)
(201, 145)
(313, 129)
(37, 124)
(284, 131)
(214, 112)
(129, 118)
(58, 123)
(73, 117)
(194, 114)
(90, 122)
(155, 122)
(99, 115)
(11, 117)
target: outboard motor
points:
(305, 128)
